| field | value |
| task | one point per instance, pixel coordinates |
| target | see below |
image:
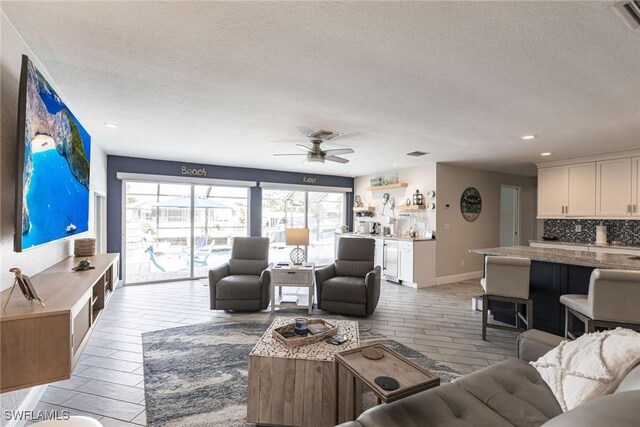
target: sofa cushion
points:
(618, 409)
(445, 406)
(238, 287)
(515, 390)
(589, 367)
(345, 289)
(631, 381)
(353, 268)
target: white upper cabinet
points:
(567, 191)
(582, 190)
(635, 187)
(613, 188)
(553, 191)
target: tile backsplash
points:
(627, 232)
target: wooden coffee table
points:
(295, 386)
(354, 371)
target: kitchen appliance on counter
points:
(601, 234)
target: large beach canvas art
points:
(55, 166)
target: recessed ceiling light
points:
(395, 164)
(528, 137)
(110, 125)
(545, 154)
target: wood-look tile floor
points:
(107, 383)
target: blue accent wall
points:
(117, 164)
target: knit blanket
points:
(589, 367)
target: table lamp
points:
(298, 237)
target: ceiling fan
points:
(315, 154)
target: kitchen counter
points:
(378, 236)
(590, 245)
(556, 272)
(563, 256)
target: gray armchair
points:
(351, 285)
(242, 283)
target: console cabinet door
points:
(613, 188)
(582, 190)
(553, 191)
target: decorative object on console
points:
(407, 202)
(297, 237)
(418, 198)
(471, 204)
(83, 265)
(25, 285)
(358, 201)
(84, 247)
(344, 228)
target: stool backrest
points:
(614, 295)
(507, 276)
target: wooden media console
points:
(39, 344)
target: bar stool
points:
(75, 421)
(613, 300)
(507, 280)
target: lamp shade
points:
(297, 236)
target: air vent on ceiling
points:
(417, 153)
(629, 11)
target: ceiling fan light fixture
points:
(417, 153)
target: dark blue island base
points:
(548, 281)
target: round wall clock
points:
(471, 204)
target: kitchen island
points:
(556, 272)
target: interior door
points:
(509, 216)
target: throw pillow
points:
(589, 367)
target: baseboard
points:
(459, 277)
(28, 404)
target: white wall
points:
(456, 236)
(421, 178)
(37, 259)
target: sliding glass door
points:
(179, 231)
(322, 212)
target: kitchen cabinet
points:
(405, 261)
(613, 188)
(378, 256)
(635, 187)
(567, 191)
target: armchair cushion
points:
(238, 287)
(353, 268)
(345, 289)
(247, 266)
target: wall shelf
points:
(388, 186)
(365, 209)
(411, 208)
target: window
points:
(322, 212)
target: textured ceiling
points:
(214, 82)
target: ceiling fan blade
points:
(306, 131)
(289, 154)
(287, 141)
(304, 147)
(339, 151)
(348, 135)
(336, 159)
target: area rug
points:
(197, 375)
